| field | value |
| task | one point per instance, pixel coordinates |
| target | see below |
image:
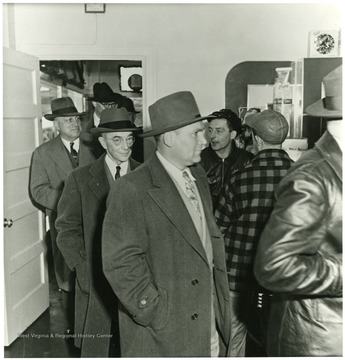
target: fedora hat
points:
(63, 107)
(114, 119)
(331, 105)
(102, 93)
(173, 112)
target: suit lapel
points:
(99, 182)
(168, 199)
(58, 154)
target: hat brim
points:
(317, 109)
(165, 129)
(100, 130)
(54, 116)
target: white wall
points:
(190, 46)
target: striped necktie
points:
(191, 192)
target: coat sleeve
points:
(124, 244)
(40, 187)
(290, 257)
(69, 224)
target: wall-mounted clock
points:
(324, 43)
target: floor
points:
(53, 322)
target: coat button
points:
(194, 316)
(195, 282)
(143, 302)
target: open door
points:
(25, 267)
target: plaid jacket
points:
(243, 210)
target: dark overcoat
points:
(81, 211)
(157, 266)
(50, 166)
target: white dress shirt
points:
(75, 142)
(112, 166)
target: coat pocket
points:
(161, 314)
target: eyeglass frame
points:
(118, 140)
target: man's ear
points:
(233, 134)
(56, 125)
(168, 138)
(102, 142)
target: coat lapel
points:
(99, 182)
(59, 155)
(168, 199)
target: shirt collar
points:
(112, 166)
(173, 171)
(76, 144)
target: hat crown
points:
(113, 115)
(102, 92)
(173, 110)
(330, 107)
(333, 82)
(269, 125)
(63, 105)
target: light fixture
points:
(95, 8)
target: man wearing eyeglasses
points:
(222, 157)
(79, 224)
(51, 162)
(103, 98)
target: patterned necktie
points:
(191, 192)
(74, 152)
(117, 174)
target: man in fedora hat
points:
(163, 254)
(51, 162)
(103, 98)
(79, 224)
(243, 209)
(299, 255)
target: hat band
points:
(69, 110)
(332, 102)
(116, 125)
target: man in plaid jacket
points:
(242, 212)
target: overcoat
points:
(50, 166)
(156, 264)
(79, 224)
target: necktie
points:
(191, 191)
(74, 152)
(117, 174)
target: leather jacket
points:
(299, 256)
(219, 170)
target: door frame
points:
(146, 55)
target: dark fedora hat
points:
(331, 105)
(63, 107)
(114, 119)
(102, 93)
(173, 112)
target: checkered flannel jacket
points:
(243, 210)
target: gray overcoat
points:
(81, 211)
(156, 264)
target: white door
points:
(25, 267)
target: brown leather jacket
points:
(300, 256)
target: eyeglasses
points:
(118, 141)
(109, 104)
